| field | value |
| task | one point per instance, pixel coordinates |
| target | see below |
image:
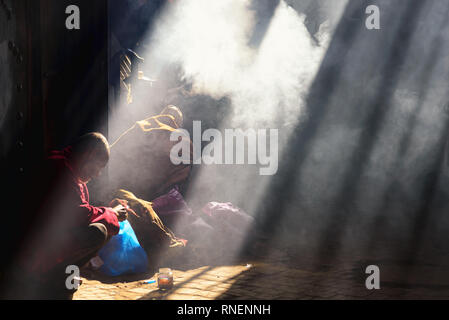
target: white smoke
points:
(209, 39)
(266, 84)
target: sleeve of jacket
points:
(103, 215)
(94, 214)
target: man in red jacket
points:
(63, 228)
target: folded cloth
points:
(173, 210)
(226, 215)
(231, 227)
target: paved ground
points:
(275, 278)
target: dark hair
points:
(92, 141)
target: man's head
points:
(90, 155)
(175, 112)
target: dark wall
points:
(53, 85)
(74, 69)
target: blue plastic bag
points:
(123, 253)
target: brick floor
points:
(273, 278)
(258, 281)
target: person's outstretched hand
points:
(121, 212)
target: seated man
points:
(140, 157)
(141, 170)
(63, 228)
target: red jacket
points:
(78, 196)
(57, 204)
